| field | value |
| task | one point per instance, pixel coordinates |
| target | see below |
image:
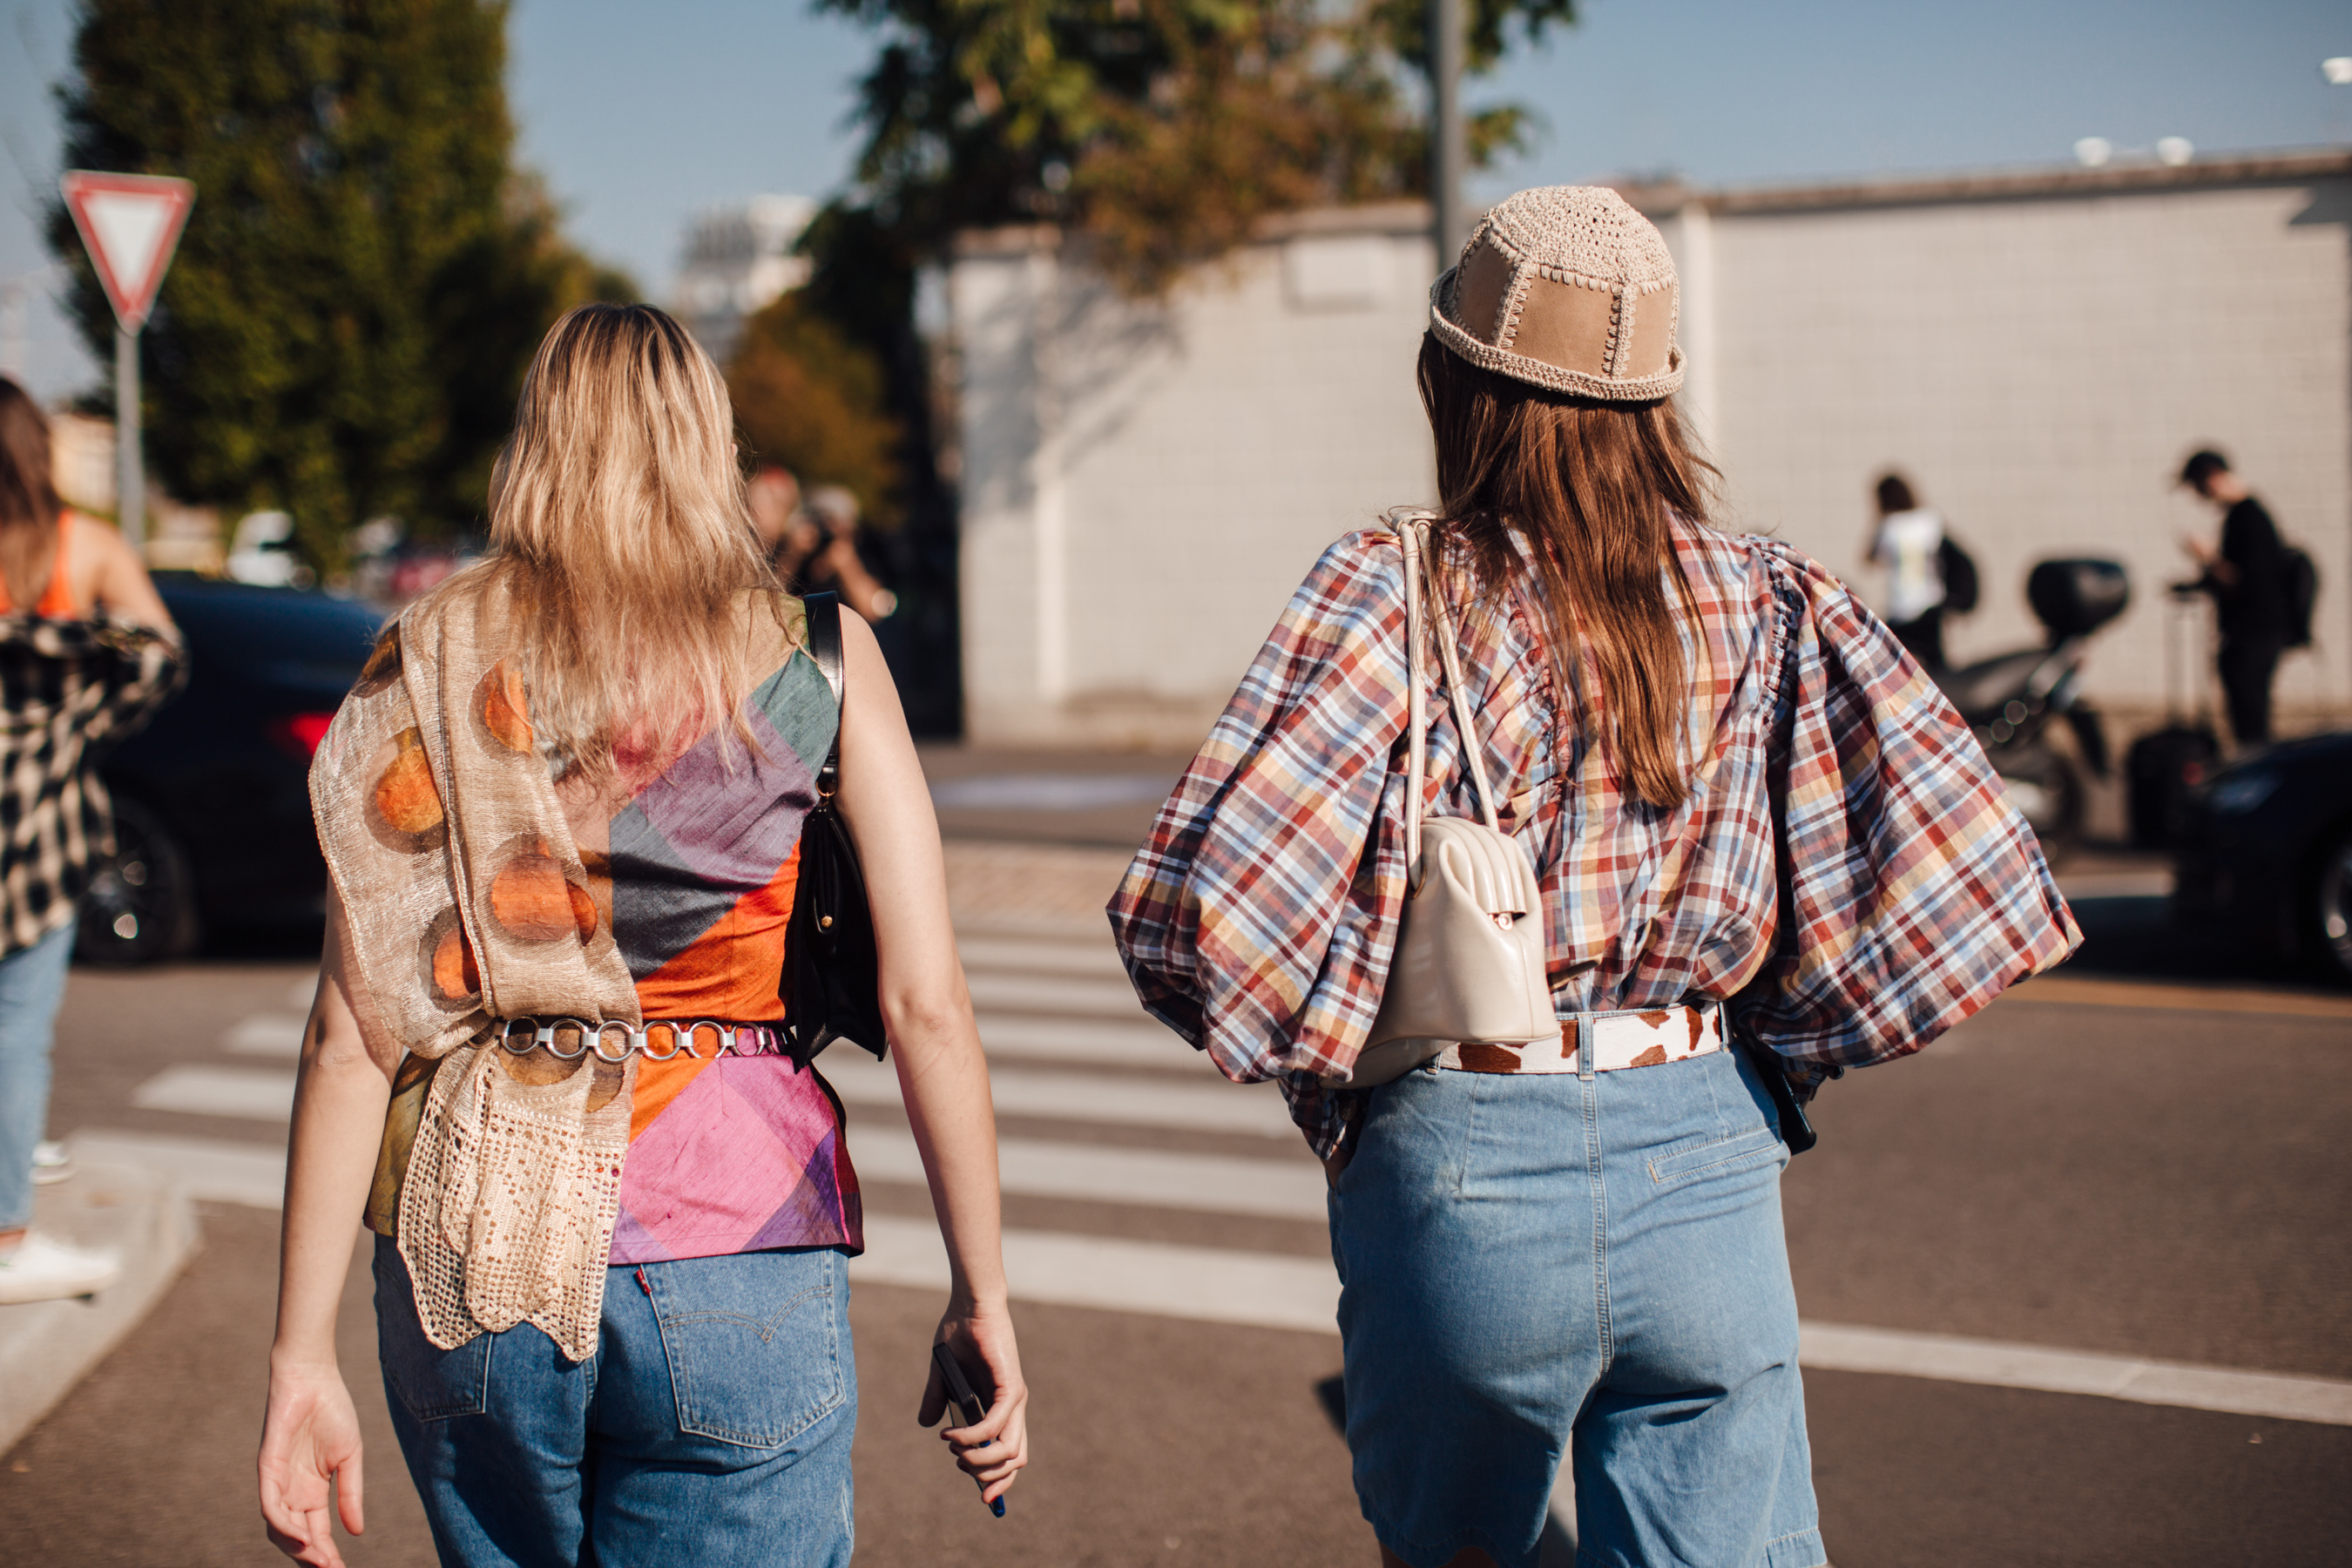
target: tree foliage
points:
(1161, 129)
(809, 397)
(363, 276)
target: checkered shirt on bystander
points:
(66, 686)
(1846, 872)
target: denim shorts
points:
(712, 1425)
(1525, 1258)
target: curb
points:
(47, 1347)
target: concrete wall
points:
(1144, 483)
(2040, 367)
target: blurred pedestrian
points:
(2247, 576)
(87, 653)
(602, 737)
(773, 495)
(1908, 540)
(1572, 1247)
(818, 553)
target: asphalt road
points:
(2125, 1180)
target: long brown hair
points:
(28, 498)
(1586, 486)
(621, 536)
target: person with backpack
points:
(1927, 575)
(1557, 844)
(2251, 577)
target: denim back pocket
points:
(432, 1383)
(1737, 1151)
(754, 1341)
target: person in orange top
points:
(66, 683)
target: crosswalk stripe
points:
(212, 1169)
(1206, 1284)
(1209, 1183)
(1216, 1107)
(260, 1094)
(1045, 955)
(266, 1035)
(1113, 998)
(1086, 1040)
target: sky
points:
(640, 113)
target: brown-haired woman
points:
(1764, 850)
(87, 652)
(562, 813)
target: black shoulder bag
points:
(831, 983)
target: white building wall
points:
(1144, 483)
(2039, 368)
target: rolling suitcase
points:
(2164, 765)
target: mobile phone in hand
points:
(969, 1405)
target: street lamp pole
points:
(1448, 142)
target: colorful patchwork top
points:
(697, 864)
(1847, 872)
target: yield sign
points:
(131, 223)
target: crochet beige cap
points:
(1565, 287)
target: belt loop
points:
(1584, 1047)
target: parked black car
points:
(2267, 851)
(212, 801)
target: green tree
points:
(1156, 133)
(363, 276)
(809, 397)
(1161, 129)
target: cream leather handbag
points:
(1469, 963)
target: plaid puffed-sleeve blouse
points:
(1847, 871)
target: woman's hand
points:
(310, 1437)
(994, 1450)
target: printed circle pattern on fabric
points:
(404, 805)
(534, 897)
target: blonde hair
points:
(622, 541)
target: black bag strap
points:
(823, 614)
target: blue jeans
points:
(1528, 1257)
(711, 1426)
(32, 985)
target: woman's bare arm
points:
(941, 1073)
(117, 582)
(311, 1433)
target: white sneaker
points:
(43, 1268)
(52, 1163)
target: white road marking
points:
(209, 1168)
(1085, 1040)
(1209, 1183)
(1045, 955)
(1160, 1278)
(1206, 1284)
(1950, 1358)
(1086, 1097)
(1113, 998)
(266, 1035)
(259, 1094)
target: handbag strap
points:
(822, 613)
(1412, 532)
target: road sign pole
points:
(130, 467)
(1448, 142)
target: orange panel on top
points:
(730, 972)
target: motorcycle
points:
(2011, 699)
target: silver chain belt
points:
(523, 1035)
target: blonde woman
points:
(561, 811)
